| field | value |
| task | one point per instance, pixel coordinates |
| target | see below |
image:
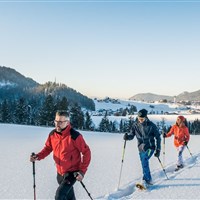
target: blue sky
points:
(115, 48)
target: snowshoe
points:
(178, 167)
(140, 186)
(144, 185)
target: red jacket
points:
(70, 151)
(181, 134)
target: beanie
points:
(181, 118)
(142, 113)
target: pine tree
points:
(47, 112)
(163, 126)
(76, 116)
(88, 121)
(21, 113)
(104, 125)
(114, 127)
(62, 104)
(126, 127)
(121, 126)
(196, 127)
(132, 110)
(5, 113)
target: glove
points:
(79, 175)
(185, 143)
(33, 157)
(126, 136)
(164, 135)
(157, 153)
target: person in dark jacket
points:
(149, 141)
(71, 155)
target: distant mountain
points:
(11, 78)
(149, 97)
(14, 85)
(190, 96)
(59, 90)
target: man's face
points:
(61, 122)
(141, 119)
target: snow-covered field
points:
(157, 108)
(17, 142)
(16, 178)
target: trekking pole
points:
(163, 151)
(86, 190)
(75, 175)
(162, 167)
(189, 150)
(123, 153)
(34, 186)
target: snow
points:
(17, 142)
(6, 83)
(16, 178)
(140, 105)
(158, 108)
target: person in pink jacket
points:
(181, 138)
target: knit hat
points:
(142, 113)
(181, 118)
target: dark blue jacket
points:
(146, 134)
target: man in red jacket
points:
(71, 155)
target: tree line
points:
(41, 112)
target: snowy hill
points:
(166, 111)
(150, 97)
(184, 96)
(157, 108)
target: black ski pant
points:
(65, 190)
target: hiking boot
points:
(149, 182)
(179, 167)
(146, 184)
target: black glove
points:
(126, 136)
(185, 143)
(164, 135)
(157, 153)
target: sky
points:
(104, 48)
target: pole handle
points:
(33, 154)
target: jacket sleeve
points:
(85, 153)
(157, 136)
(187, 135)
(131, 135)
(46, 150)
(171, 132)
